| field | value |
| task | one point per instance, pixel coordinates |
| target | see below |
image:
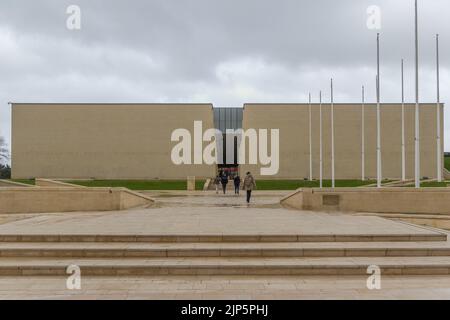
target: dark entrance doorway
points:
(228, 119)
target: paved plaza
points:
(197, 213)
(195, 234)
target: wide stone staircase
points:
(132, 255)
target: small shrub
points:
(5, 171)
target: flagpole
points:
(417, 114)
(363, 174)
(320, 147)
(310, 141)
(378, 116)
(438, 117)
(403, 128)
(332, 137)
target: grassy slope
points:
(434, 184)
(261, 184)
(181, 185)
(141, 184)
(295, 184)
(447, 163)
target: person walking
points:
(224, 181)
(217, 183)
(237, 184)
(249, 185)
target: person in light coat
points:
(249, 185)
(217, 184)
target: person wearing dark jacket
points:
(224, 181)
(237, 184)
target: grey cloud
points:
(225, 52)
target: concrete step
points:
(181, 238)
(294, 249)
(226, 266)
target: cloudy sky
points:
(224, 52)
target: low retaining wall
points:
(440, 221)
(51, 199)
(9, 183)
(446, 174)
(384, 200)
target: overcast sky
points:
(225, 52)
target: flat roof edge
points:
(112, 103)
(327, 102)
(338, 103)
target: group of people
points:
(249, 184)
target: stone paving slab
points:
(225, 246)
(140, 253)
(226, 266)
(227, 287)
(208, 221)
(229, 261)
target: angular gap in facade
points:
(226, 119)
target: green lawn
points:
(182, 185)
(295, 184)
(140, 184)
(434, 184)
(447, 163)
